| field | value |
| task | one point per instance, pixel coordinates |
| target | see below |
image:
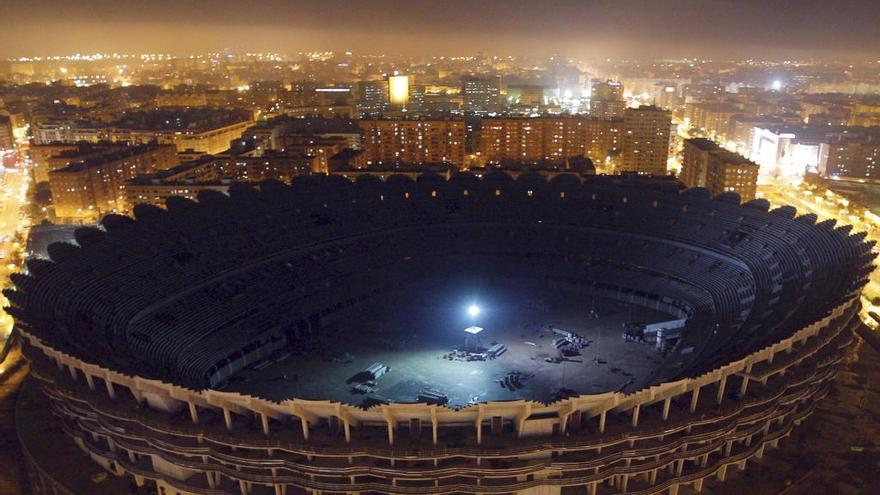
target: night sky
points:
(582, 28)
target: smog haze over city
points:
(581, 28)
(478, 247)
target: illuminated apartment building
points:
(606, 100)
(83, 190)
(732, 172)
(481, 95)
(323, 148)
(705, 164)
(646, 140)
(547, 139)
(413, 142)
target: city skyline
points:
(665, 29)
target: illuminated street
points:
(13, 227)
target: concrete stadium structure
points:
(131, 333)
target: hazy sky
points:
(582, 28)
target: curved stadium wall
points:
(771, 300)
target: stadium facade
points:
(131, 333)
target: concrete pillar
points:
(698, 485)
(72, 372)
(193, 412)
(722, 473)
(760, 453)
(721, 386)
(652, 477)
(227, 417)
(704, 460)
(666, 404)
(242, 486)
(635, 415)
(347, 428)
(110, 390)
(592, 488)
(90, 381)
(305, 427)
(264, 420)
(479, 425)
(602, 421)
(673, 490)
(695, 396)
(390, 431)
(679, 467)
(279, 489)
(132, 456)
(212, 483)
(727, 448)
(744, 386)
(138, 480)
(624, 481)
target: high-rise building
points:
(547, 139)
(695, 161)
(83, 190)
(372, 98)
(398, 90)
(646, 140)
(532, 140)
(732, 172)
(705, 164)
(413, 142)
(855, 158)
(481, 95)
(606, 100)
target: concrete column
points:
(132, 456)
(138, 480)
(673, 490)
(390, 431)
(347, 428)
(279, 489)
(698, 485)
(722, 473)
(305, 427)
(212, 483)
(193, 412)
(72, 372)
(624, 481)
(704, 460)
(744, 386)
(90, 381)
(242, 486)
(760, 453)
(110, 390)
(227, 417)
(721, 386)
(592, 488)
(264, 419)
(652, 477)
(727, 448)
(695, 396)
(434, 425)
(679, 467)
(635, 415)
(666, 404)
(602, 421)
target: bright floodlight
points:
(473, 310)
